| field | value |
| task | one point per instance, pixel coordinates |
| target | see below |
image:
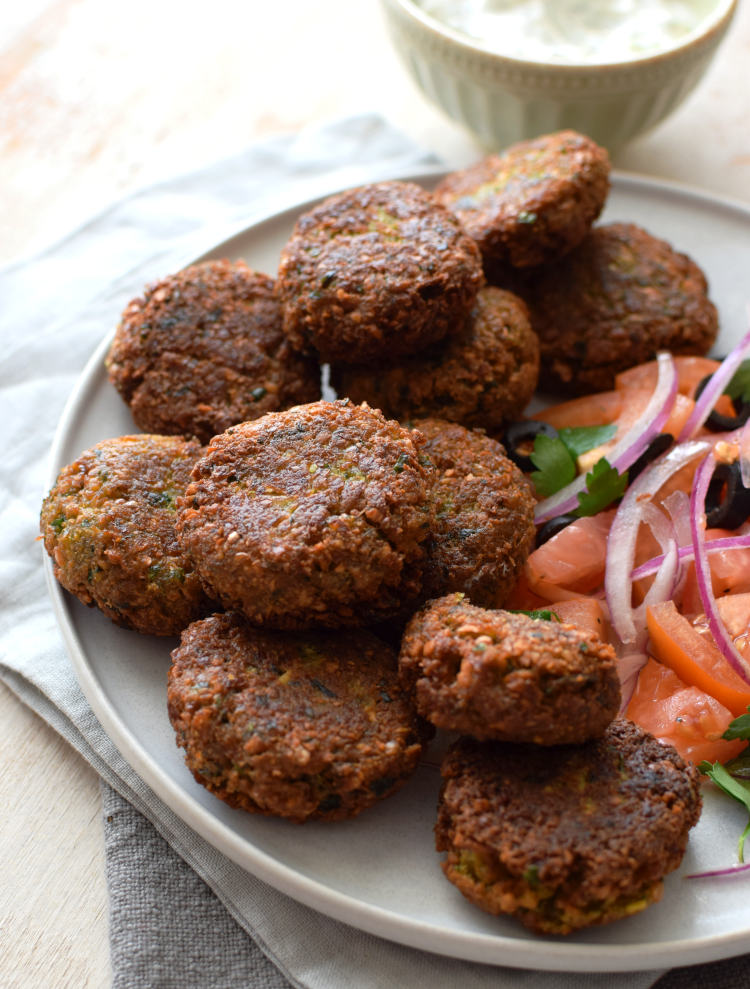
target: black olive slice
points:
(656, 447)
(716, 421)
(520, 436)
(552, 527)
(727, 499)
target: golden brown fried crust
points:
(204, 349)
(614, 302)
(109, 526)
(375, 273)
(483, 375)
(310, 517)
(500, 675)
(305, 726)
(481, 515)
(565, 837)
(534, 201)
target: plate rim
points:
(548, 955)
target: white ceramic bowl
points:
(501, 99)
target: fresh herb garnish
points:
(581, 439)
(739, 728)
(555, 457)
(555, 465)
(734, 776)
(541, 613)
(738, 789)
(739, 767)
(603, 486)
(739, 386)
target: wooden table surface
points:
(97, 98)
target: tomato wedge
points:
(570, 564)
(622, 407)
(589, 410)
(690, 372)
(522, 598)
(695, 658)
(735, 613)
(588, 614)
(685, 716)
(730, 574)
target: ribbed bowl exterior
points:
(501, 100)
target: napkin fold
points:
(147, 882)
(168, 926)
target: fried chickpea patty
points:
(505, 676)
(376, 272)
(481, 515)
(109, 526)
(567, 837)
(613, 302)
(204, 349)
(310, 725)
(484, 374)
(534, 201)
(310, 517)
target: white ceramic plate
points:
(380, 872)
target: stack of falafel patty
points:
(293, 549)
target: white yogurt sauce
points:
(572, 31)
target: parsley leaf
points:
(581, 439)
(555, 457)
(603, 486)
(540, 613)
(555, 465)
(735, 788)
(739, 767)
(739, 386)
(739, 728)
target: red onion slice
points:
(721, 636)
(732, 870)
(662, 587)
(715, 387)
(744, 445)
(629, 448)
(624, 532)
(685, 553)
(629, 666)
(677, 503)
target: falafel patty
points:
(505, 676)
(532, 202)
(616, 301)
(310, 517)
(375, 273)
(304, 726)
(482, 375)
(481, 515)
(567, 837)
(204, 349)
(109, 526)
